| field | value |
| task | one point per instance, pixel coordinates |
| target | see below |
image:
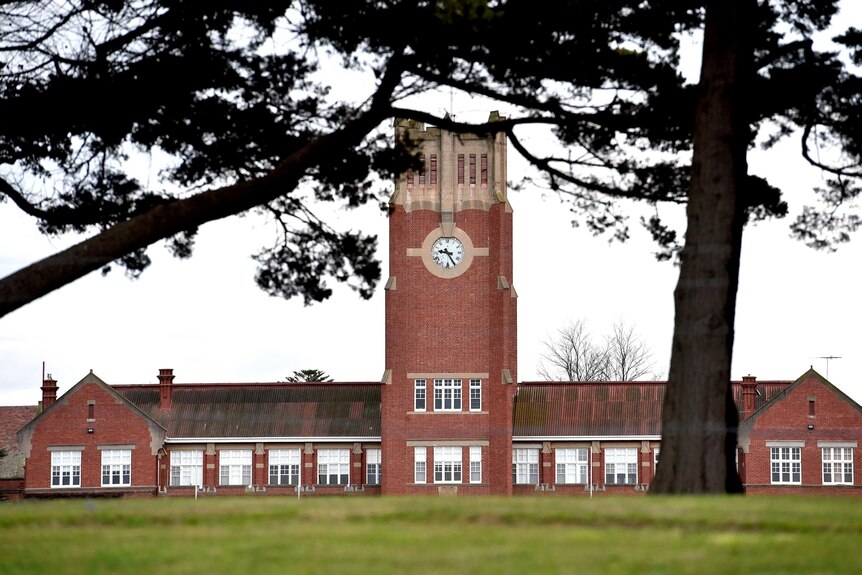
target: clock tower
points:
(451, 320)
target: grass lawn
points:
(524, 535)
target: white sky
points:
(206, 319)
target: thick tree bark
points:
(699, 419)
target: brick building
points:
(447, 416)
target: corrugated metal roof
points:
(264, 410)
(588, 409)
(596, 409)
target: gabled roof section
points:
(588, 409)
(745, 426)
(89, 379)
(264, 410)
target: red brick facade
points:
(446, 327)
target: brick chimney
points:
(749, 396)
(166, 388)
(49, 391)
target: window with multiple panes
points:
(786, 464)
(419, 395)
(447, 464)
(65, 469)
(333, 466)
(472, 169)
(475, 395)
(116, 467)
(461, 169)
(621, 465)
(419, 459)
(475, 464)
(447, 395)
(838, 465)
(187, 468)
(433, 169)
(284, 465)
(572, 465)
(372, 466)
(235, 466)
(422, 170)
(525, 465)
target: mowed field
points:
(453, 535)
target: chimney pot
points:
(49, 391)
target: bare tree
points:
(629, 357)
(574, 356)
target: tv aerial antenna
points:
(827, 358)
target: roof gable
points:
(746, 426)
(89, 379)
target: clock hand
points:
(451, 259)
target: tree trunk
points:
(699, 420)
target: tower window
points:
(461, 169)
(422, 170)
(484, 170)
(433, 174)
(447, 395)
(472, 169)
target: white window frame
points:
(234, 466)
(621, 465)
(475, 395)
(448, 464)
(447, 394)
(475, 464)
(372, 466)
(420, 395)
(572, 465)
(65, 469)
(333, 467)
(187, 468)
(116, 467)
(284, 467)
(785, 465)
(837, 463)
(525, 465)
(420, 469)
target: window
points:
(422, 170)
(657, 451)
(472, 169)
(447, 464)
(572, 465)
(419, 395)
(333, 466)
(116, 467)
(447, 395)
(525, 466)
(409, 178)
(475, 395)
(91, 411)
(838, 465)
(284, 466)
(484, 170)
(810, 407)
(433, 169)
(475, 464)
(187, 468)
(372, 466)
(461, 169)
(419, 457)
(786, 464)
(235, 466)
(621, 465)
(65, 469)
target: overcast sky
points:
(206, 319)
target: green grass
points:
(359, 535)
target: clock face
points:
(447, 252)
